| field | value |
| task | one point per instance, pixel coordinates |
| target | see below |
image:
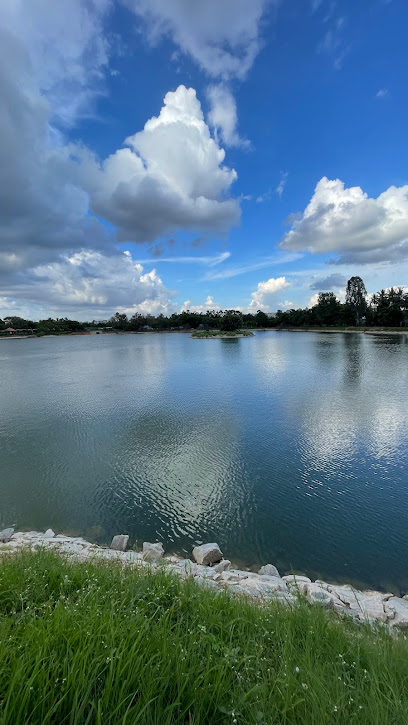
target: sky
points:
(161, 155)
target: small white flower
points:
(297, 670)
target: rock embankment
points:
(209, 569)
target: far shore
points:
(352, 330)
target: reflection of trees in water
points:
(352, 365)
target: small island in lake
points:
(223, 334)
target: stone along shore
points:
(209, 569)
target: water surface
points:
(288, 448)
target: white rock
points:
(186, 568)
(67, 548)
(397, 610)
(207, 554)
(206, 582)
(269, 570)
(368, 605)
(297, 584)
(236, 575)
(295, 579)
(10, 545)
(322, 584)
(283, 598)
(119, 542)
(49, 534)
(224, 565)
(266, 585)
(238, 590)
(6, 534)
(152, 552)
(208, 572)
(133, 557)
(109, 554)
(317, 595)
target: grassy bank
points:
(96, 644)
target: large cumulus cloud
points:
(350, 223)
(56, 194)
(171, 175)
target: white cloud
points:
(282, 183)
(382, 93)
(209, 304)
(313, 300)
(251, 266)
(208, 261)
(170, 176)
(333, 43)
(223, 116)
(287, 305)
(266, 196)
(221, 36)
(66, 48)
(348, 222)
(264, 295)
(89, 284)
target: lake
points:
(289, 448)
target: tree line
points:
(387, 308)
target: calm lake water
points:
(288, 448)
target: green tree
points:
(261, 319)
(356, 295)
(230, 320)
(328, 309)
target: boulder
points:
(186, 568)
(206, 582)
(49, 534)
(207, 554)
(206, 572)
(397, 611)
(236, 575)
(367, 605)
(297, 583)
(317, 595)
(269, 569)
(323, 585)
(67, 548)
(152, 552)
(296, 579)
(6, 535)
(119, 542)
(265, 585)
(224, 565)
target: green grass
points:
(222, 333)
(94, 643)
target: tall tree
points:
(356, 295)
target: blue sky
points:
(164, 154)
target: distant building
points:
(10, 330)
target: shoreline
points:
(252, 330)
(209, 569)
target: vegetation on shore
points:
(96, 643)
